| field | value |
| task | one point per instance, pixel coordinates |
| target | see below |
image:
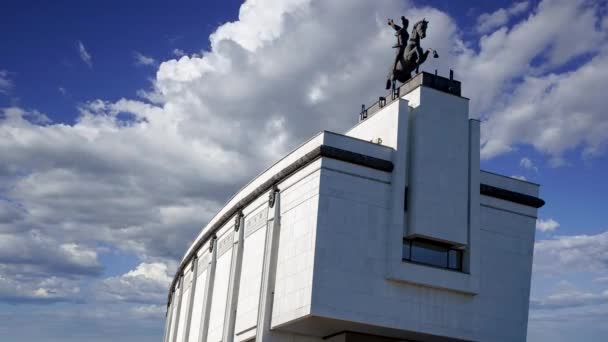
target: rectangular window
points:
(432, 253)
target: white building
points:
(390, 231)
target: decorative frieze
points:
(255, 222)
(225, 244)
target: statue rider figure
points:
(410, 54)
(402, 41)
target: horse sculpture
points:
(408, 58)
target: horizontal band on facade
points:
(511, 196)
(341, 155)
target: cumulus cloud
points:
(554, 113)
(145, 284)
(567, 321)
(577, 258)
(178, 52)
(550, 110)
(569, 299)
(6, 84)
(149, 311)
(84, 54)
(144, 176)
(547, 225)
(143, 60)
(528, 164)
(26, 289)
(489, 21)
(565, 254)
(39, 252)
(601, 279)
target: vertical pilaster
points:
(472, 262)
(179, 307)
(397, 227)
(191, 299)
(169, 316)
(269, 269)
(204, 325)
(235, 278)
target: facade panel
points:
(251, 280)
(197, 308)
(293, 289)
(219, 298)
(182, 315)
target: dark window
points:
(432, 253)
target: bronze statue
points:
(408, 58)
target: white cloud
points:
(63, 91)
(548, 225)
(25, 289)
(84, 54)
(601, 279)
(567, 254)
(147, 283)
(150, 311)
(261, 22)
(574, 304)
(6, 84)
(16, 114)
(34, 251)
(569, 299)
(144, 176)
(155, 272)
(143, 60)
(9, 213)
(519, 177)
(489, 21)
(178, 52)
(92, 322)
(552, 111)
(528, 164)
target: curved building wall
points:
(314, 246)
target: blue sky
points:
(125, 126)
(40, 37)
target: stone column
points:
(269, 269)
(204, 324)
(235, 278)
(191, 299)
(179, 307)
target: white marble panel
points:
(182, 316)
(218, 301)
(197, 309)
(251, 280)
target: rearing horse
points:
(410, 58)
